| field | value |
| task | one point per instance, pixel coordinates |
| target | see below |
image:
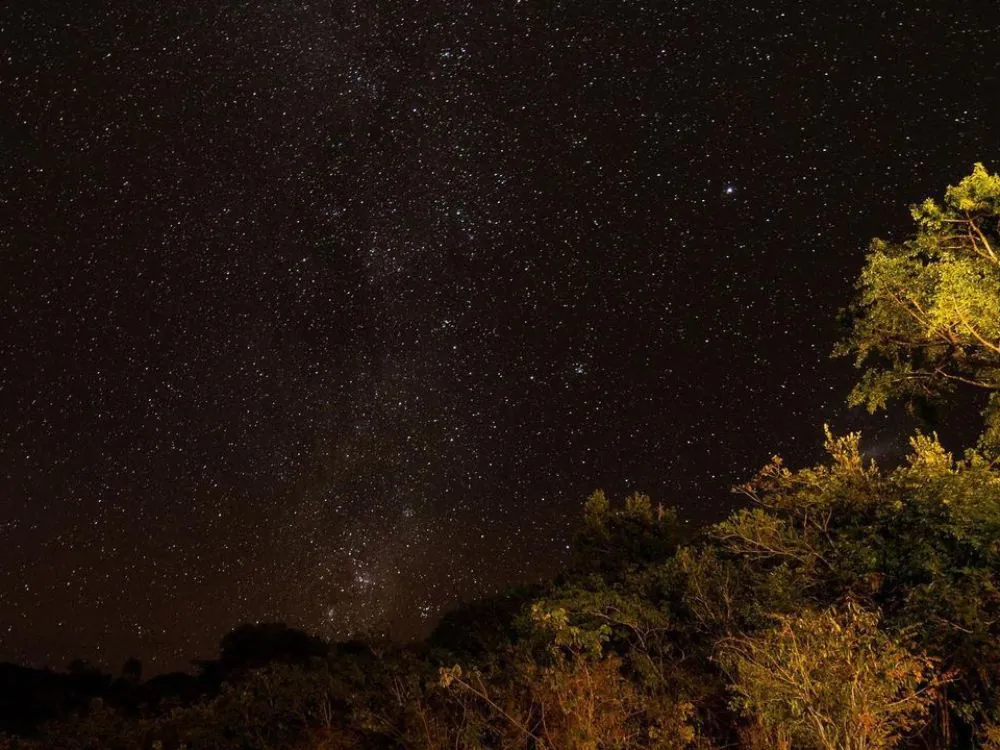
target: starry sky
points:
(334, 312)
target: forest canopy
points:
(925, 321)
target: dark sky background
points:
(335, 312)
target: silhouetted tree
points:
(256, 645)
(132, 671)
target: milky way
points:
(333, 313)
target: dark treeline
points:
(843, 606)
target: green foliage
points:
(830, 680)
(612, 540)
(919, 542)
(926, 319)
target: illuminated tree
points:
(926, 320)
(918, 543)
(829, 680)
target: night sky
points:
(334, 312)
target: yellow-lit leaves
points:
(926, 319)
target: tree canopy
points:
(926, 319)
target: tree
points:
(566, 687)
(926, 320)
(132, 671)
(829, 680)
(251, 646)
(611, 540)
(918, 543)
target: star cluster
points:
(333, 313)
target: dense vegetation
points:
(927, 317)
(842, 606)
